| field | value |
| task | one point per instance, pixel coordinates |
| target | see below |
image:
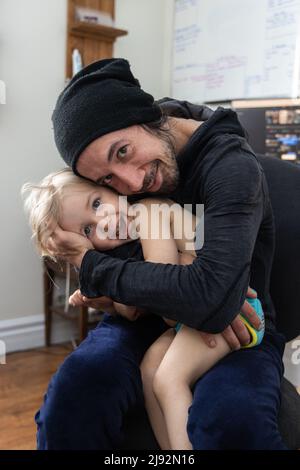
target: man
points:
(112, 132)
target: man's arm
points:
(209, 293)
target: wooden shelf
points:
(94, 41)
(96, 31)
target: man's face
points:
(131, 161)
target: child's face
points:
(92, 212)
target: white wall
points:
(32, 64)
(148, 44)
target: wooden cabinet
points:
(93, 41)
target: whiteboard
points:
(236, 49)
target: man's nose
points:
(132, 178)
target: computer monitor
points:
(273, 127)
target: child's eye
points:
(122, 152)
(96, 203)
(87, 230)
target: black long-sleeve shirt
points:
(218, 169)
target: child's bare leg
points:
(185, 361)
(149, 366)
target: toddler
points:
(179, 357)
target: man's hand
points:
(69, 246)
(105, 304)
(236, 334)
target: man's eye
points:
(122, 152)
(96, 203)
(87, 230)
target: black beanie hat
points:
(101, 98)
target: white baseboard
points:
(19, 334)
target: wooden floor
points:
(23, 382)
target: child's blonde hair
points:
(42, 203)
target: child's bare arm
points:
(160, 249)
(173, 249)
(156, 235)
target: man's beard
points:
(167, 165)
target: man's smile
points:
(154, 180)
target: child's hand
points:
(76, 299)
(105, 304)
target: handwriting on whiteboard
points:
(233, 49)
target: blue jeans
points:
(235, 403)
